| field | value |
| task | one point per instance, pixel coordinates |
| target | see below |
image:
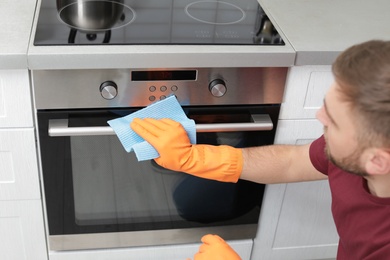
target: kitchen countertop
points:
(16, 18)
(105, 57)
(316, 32)
(319, 30)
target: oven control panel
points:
(109, 90)
(58, 89)
(160, 92)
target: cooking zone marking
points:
(201, 7)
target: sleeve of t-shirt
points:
(318, 156)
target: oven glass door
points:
(92, 185)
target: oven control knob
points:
(108, 90)
(217, 88)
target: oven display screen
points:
(163, 75)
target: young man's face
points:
(340, 131)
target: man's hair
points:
(363, 73)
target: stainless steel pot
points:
(90, 15)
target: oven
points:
(96, 195)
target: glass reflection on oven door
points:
(207, 201)
(111, 187)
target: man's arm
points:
(264, 164)
(279, 164)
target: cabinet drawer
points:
(18, 165)
(15, 99)
(306, 87)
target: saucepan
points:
(90, 15)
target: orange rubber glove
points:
(215, 248)
(168, 137)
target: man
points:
(353, 153)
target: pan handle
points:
(261, 122)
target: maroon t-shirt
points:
(362, 220)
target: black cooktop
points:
(164, 22)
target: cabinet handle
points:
(261, 122)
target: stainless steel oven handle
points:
(261, 122)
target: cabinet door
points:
(22, 233)
(296, 220)
(305, 90)
(15, 99)
(18, 164)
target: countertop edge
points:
(90, 57)
(13, 61)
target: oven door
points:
(99, 196)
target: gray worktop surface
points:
(316, 31)
(319, 30)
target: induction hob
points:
(149, 22)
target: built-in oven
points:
(96, 195)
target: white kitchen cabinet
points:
(15, 99)
(18, 164)
(18, 160)
(22, 230)
(305, 90)
(296, 221)
(22, 233)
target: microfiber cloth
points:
(167, 108)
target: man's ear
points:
(378, 162)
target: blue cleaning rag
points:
(167, 108)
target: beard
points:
(350, 163)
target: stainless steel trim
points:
(261, 122)
(63, 89)
(148, 238)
